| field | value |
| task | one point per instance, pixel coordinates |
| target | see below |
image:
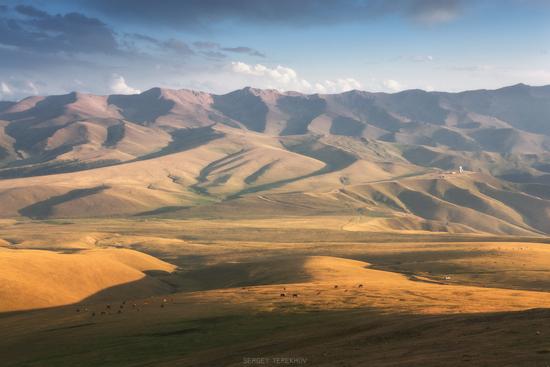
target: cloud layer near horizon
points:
(311, 46)
(285, 78)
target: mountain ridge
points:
(292, 92)
(182, 152)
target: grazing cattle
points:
(93, 314)
(78, 310)
(295, 295)
(282, 294)
(360, 285)
(108, 307)
(335, 287)
(162, 305)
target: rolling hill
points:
(385, 160)
(39, 279)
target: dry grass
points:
(32, 279)
(224, 303)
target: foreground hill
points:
(39, 279)
(315, 288)
(388, 160)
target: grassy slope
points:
(35, 278)
(228, 304)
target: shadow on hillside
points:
(274, 270)
(216, 337)
(182, 140)
(335, 159)
(155, 283)
(43, 209)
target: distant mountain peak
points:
(258, 91)
(519, 86)
(153, 92)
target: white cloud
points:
(285, 78)
(280, 73)
(17, 89)
(532, 76)
(118, 86)
(340, 85)
(31, 87)
(474, 68)
(392, 85)
(494, 76)
(422, 58)
(5, 90)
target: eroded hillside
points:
(385, 160)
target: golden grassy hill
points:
(38, 279)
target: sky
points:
(310, 46)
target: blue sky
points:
(312, 46)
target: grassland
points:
(208, 292)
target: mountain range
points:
(388, 161)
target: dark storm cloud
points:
(204, 45)
(31, 11)
(36, 30)
(214, 55)
(177, 46)
(204, 13)
(215, 49)
(143, 37)
(244, 50)
(169, 45)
